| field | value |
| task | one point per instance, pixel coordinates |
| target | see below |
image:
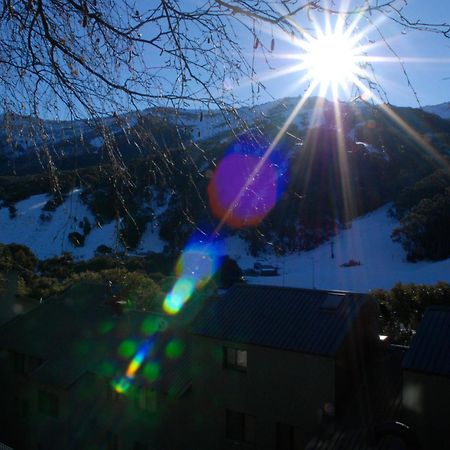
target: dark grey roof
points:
(4, 447)
(285, 318)
(430, 348)
(77, 334)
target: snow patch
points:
(97, 142)
(49, 238)
(383, 262)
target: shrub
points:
(103, 250)
(17, 257)
(423, 231)
(403, 306)
(76, 239)
(59, 267)
(12, 211)
(45, 217)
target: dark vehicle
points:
(265, 270)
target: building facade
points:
(275, 365)
(426, 381)
(259, 367)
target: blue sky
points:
(425, 55)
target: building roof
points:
(78, 333)
(302, 320)
(430, 348)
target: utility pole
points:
(332, 249)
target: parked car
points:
(265, 270)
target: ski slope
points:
(383, 262)
(49, 238)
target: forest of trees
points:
(424, 212)
(316, 202)
(145, 279)
(403, 306)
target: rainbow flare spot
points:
(195, 267)
(246, 184)
(124, 383)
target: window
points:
(33, 363)
(48, 403)
(19, 363)
(22, 407)
(240, 427)
(331, 302)
(235, 358)
(288, 437)
(111, 393)
(147, 399)
(112, 441)
(24, 364)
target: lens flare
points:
(127, 348)
(195, 267)
(122, 385)
(151, 371)
(174, 349)
(246, 185)
(179, 295)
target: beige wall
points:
(426, 407)
(278, 386)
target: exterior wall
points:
(359, 348)
(278, 387)
(98, 416)
(47, 432)
(17, 404)
(89, 415)
(426, 408)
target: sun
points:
(330, 58)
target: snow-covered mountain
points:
(19, 134)
(382, 263)
(50, 231)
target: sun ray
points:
(346, 193)
(333, 58)
(266, 155)
(403, 125)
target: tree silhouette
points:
(93, 57)
(100, 60)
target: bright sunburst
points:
(330, 58)
(335, 56)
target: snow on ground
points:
(97, 142)
(371, 149)
(368, 241)
(150, 241)
(383, 262)
(48, 238)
